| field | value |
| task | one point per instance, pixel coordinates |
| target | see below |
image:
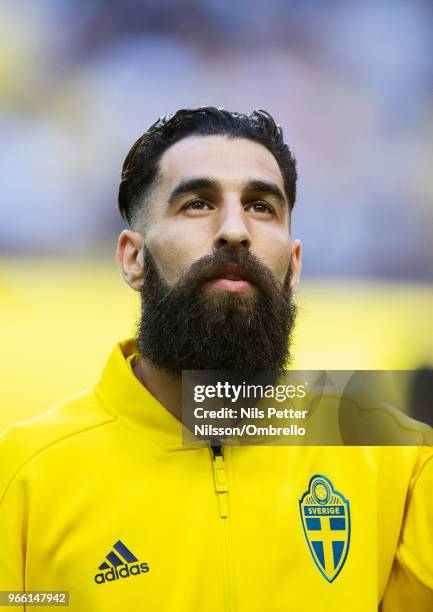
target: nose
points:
(233, 230)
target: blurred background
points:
(350, 82)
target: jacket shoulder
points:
(22, 441)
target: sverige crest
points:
(325, 516)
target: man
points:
(100, 498)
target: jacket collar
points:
(129, 401)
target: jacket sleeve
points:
(410, 586)
(13, 519)
(12, 538)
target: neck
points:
(166, 387)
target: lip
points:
(235, 286)
(233, 278)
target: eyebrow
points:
(190, 185)
(267, 187)
(203, 183)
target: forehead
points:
(231, 161)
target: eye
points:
(197, 205)
(260, 207)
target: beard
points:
(191, 326)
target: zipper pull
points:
(220, 478)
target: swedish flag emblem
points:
(325, 516)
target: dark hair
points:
(140, 167)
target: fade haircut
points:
(140, 168)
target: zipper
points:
(220, 478)
(222, 489)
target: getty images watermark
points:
(242, 421)
(299, 408)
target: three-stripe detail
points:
(124, 556)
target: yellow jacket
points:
(98, 497)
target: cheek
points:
(276, 255)
(173, 252)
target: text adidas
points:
(124, 572)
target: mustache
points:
(226, 262)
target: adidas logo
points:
(122, 564)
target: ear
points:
(297, 264)
(129, 256)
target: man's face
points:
(214, 260)
(215, 191)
